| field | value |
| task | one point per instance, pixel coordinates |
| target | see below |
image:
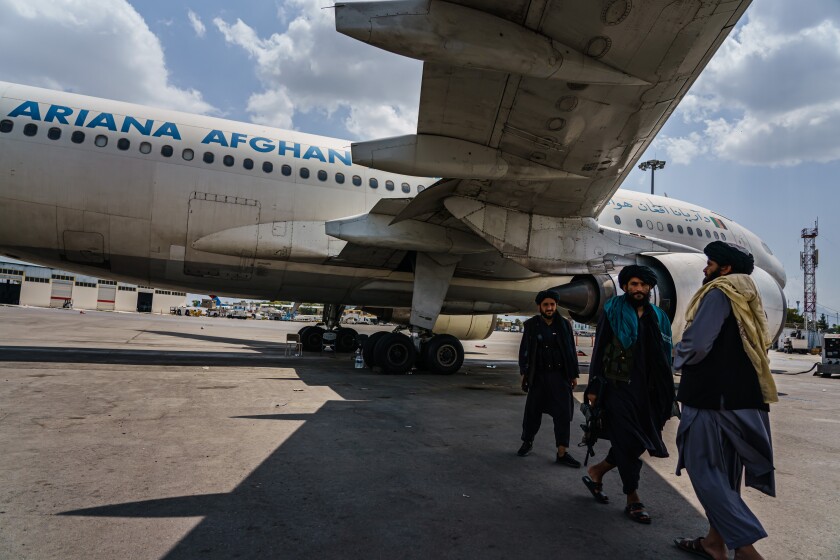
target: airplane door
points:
(211, 213)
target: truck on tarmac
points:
(796, 341)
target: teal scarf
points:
(625, 322)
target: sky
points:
(756, 139)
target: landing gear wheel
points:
(300, 332)
(443, 354)
(370, 345)
(311, 339)
(345, 340)
(395, 353)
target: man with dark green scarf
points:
(630, 378)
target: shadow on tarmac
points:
(414, 467)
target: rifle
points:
(594, 426)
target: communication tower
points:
(808, 261)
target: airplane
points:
(531, 116)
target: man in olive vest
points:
(549, 370)
(725, 390)
(630, 379)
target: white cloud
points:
(770, 95)
(196, 23)
(312, 68)
(681, 150)
(88, 46)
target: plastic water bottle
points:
(360, 362)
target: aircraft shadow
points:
(121, 356)
(417, 467)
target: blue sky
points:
(756, 138)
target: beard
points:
(711, 276)
(640, 299)
(546, 316)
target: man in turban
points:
(630, 378)
(549, 370)
(725, 391)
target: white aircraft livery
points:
(531, 115)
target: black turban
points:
(547, 294)
(643, 273)
(737, 257)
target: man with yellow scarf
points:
(725, 391)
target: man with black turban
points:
(725, 390)
(548, 368)
(630, 379)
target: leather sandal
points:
(693, 546)
(636, 512)
(596, 489)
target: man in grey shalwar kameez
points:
(725, 390)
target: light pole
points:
(653, 165)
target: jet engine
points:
(462, 327)
(679, 276)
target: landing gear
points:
(311, 338)
(395, 353)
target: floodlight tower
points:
(653, 165)
(808, 261)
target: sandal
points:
(596, 489)
(694, 546)
(637, 513)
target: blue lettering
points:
(59, 113)
(315, 152)
(168, 129)
(264, 145)
(283, 147)
(145, 128)
(215, 137)
(27, 109)
(236, 138)
(344, 157)
(80, 118)
(105, 120)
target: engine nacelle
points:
(462, 327)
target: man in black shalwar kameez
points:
(549, 370)
(630, 378)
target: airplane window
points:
(77, 137)
(166, 150)
(30, 129)
(723, 236)
(406, 188)
(373, 183)
(101, 140)
(670, 228)
(286, 169)
(339, 178)
(304, 172)
(357, 180)
(6, 125)
(649, 224)
(208, 157)
(708, 234)
(638, 222)
(679, 229)
(54, 133)
(659, 226)
(716, 235)
(145, 148)
(389, 185)
(699, 232)
(268, 167)
(322, 175)
(690, 230)
(188, 154)
(248, 163)
(617, 220)
(123, 144)
(228, 160)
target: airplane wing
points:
(542, 107)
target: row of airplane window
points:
(101, 140)
(688, 229)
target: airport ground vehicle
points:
(796, 341)
(830, 364)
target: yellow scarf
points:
(752, 324)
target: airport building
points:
(38, 286)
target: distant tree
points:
(822, 324)
(518, 322)
(794, 318)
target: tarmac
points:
(137, 437)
